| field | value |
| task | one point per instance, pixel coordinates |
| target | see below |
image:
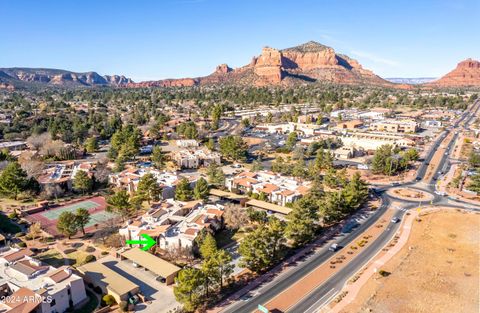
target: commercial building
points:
(371, 141)
(285, 128)
(52, 289)
(353, 124)
(395, 126)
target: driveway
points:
(161, 296)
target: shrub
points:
(20, 234)
(22, 244)
(123, 306)
(90, 249)
(90, 258)
(104, 253)
(109, 299)
(13, 215)
(383, 273)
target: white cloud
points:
(374, 58)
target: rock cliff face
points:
(25, 77)
(308, 63)
(467, 73)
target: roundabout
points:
(410, 194)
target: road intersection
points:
(325, 292)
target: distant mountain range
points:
(309, 63)
(410, 81)
(18, 77)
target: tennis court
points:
(96, 207)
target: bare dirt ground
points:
(371, 178)
(436, 271)
(410, 194)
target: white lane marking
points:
(314, 308)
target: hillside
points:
(311, 62)
(466, 74)
(37, 77)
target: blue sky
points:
(184, 38)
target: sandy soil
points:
(436, 271)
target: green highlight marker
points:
(147, 243)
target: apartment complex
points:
(175, 224)
(277, 188)
(62, 173)
(129, 179)
(49, 289)
(189, 158)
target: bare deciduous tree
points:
(35, 230)
(38, 141)
(102, 171)
(52, 192)
(33, 167)
(235, 216)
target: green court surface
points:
(100, 217)
(54, 214)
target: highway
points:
(326, 291)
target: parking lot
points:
(162, 296)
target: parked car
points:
(334, 247)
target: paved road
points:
(317, 298)
(321, 295)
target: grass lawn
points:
(77, 257)
(91, 305)
(227, 236)
(51, 257)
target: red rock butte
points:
(467, 73)
(307, 63)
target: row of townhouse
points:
(189, 158)
(28, 285)
(129, 178)
(278, 189)
(175, 224)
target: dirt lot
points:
(436, 271)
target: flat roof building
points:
(109, 281)
(163, 269)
